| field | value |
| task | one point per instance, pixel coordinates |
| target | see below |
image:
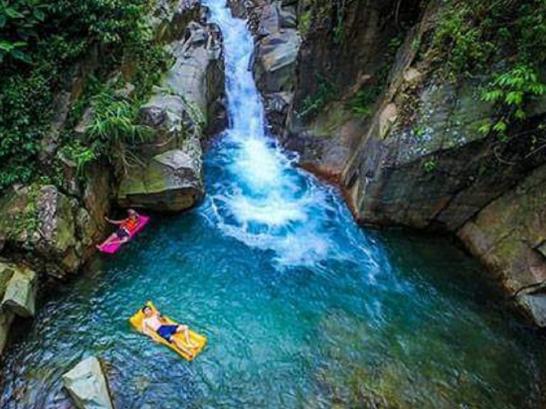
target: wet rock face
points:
(87, 385)
(344, 48)
(188, 103)
(49, 229)
(422, 162)
(508, 235)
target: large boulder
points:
(170, 182)
(197, 75)
(169, 174)
(50, 229)
(423, 160)
(20, 293)
(275, 60)
(87, 385)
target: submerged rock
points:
(20, 294)
(87, 385)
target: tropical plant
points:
(511, 90)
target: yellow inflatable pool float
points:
(199, 340)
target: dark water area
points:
(302, 308)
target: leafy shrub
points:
(39, 41)
(511, 91)
(314, 103)
(361, 103)
(473, 36)
(114, 121)
(471, 33)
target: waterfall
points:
(263, 200)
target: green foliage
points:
(511, 90)
(429, 165)
(19, 22)
(22, 125)
(27, 25)
(419, 131)
(314, 103)
(470, 34)
(80, 154)
(304, 22)
(361, 103)
(500, 43)
(114, 121)
(40, 40)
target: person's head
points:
(147, 311)
(132, 213)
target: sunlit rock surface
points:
(20, 294)
(87, 385)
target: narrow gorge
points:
(346, 198)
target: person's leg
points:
(120, 237)
(109, 240)
(180, 345)
(186, 332)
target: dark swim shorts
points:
(122, 233)
(167, 331)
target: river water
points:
(302, 308)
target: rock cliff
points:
(372, 105)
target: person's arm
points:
(148, 331)
(118, 222)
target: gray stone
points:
(275, 61)
(170, 18)
(50, 142)
(197, 67)
(85, 122)
(269, 20)
(20, 294)
(171, 181)
(41, 219)
(6, 318)
(535, 305)
(87, 385)
(504, 236)
(287, 16)
(169, 175)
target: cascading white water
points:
(266, 202)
